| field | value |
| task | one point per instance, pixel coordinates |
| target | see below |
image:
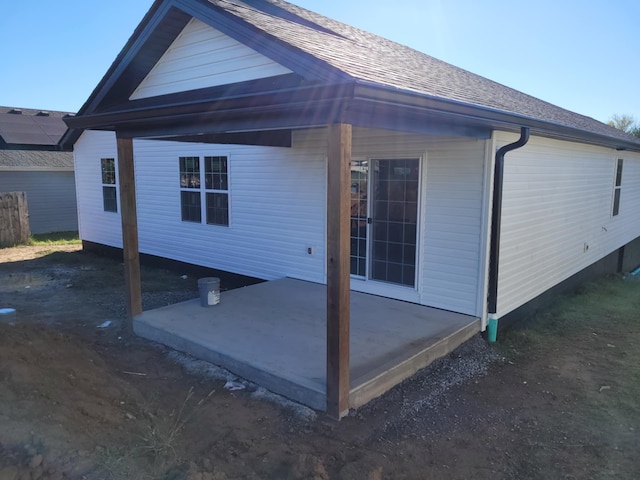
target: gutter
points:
(498, 181)
(493, 117)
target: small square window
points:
(217, 209)
(109, 200)
(109, 190)
(215, 173)
(108, 171)
(190, 203)
(189, 172)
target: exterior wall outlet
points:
(311, 250)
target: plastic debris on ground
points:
(233, 385)
(200, 367)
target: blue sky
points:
(579, 54)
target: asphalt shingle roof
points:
(371, 58)
(23, 126)
(34, 159)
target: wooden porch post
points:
(338, 274)
(129, 216)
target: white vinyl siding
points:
(277, 210)
(453, 225)
(94, 223)
(278, 203)
(556, 216)
(450, 230)
(51, 198)
(556, 212)
(204, 57)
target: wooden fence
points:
(14, 219)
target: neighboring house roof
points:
(29, 140)
(369, 74)
(35, 160)
(22, 128)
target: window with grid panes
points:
(190, 204)
(216, 183)
(204, 183)
(109, 190)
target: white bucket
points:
(209, 288)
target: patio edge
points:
(291, 390)
(387, 376)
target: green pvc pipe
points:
(492, 329)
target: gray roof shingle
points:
(332, 53)
(35, 159)
(371, 58)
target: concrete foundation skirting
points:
(386, 376)
(630, 256)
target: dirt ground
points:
(82, 402)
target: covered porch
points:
(274, 334)
(265, 108)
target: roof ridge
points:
(275, 11)
(484, 91)
(334, 49)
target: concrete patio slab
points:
(274, 334)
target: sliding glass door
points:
(384, 219)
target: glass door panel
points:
(395, 186)
(359, 214)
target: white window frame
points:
(199, 186)
(215, 191)
(617, 187)
(110, 185)
(190, 183)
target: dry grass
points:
(164, 432)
